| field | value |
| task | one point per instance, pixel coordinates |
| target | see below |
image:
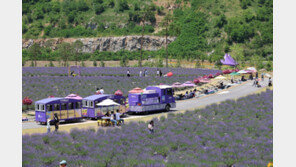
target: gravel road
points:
(231, 93)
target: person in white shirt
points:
(102, 91)
(118, 119)
(48, 125)
(140, 73)
(157, 72)
(128, 73)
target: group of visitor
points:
(188, 95)
(100, 90)
(145, 73)
(115, 117)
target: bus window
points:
(84, 103)
(169, 92)
(56, 107)
(41, 107)
(91, 104)
(64, 106)
(48, 107)
(36, 107)
(96, 102)
(70, 106)
(78, 105)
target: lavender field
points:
(41, 82)
(238, 133)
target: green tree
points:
(65, 52)
(99, 8)
(34, 52)
(144, 15)
(165, 23)
(77, 45)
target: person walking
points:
(140, 73)
(128, 73)
(145, 73)
(160, 73)
(269, 82)
(256, 75)
(262, 76)
(63, 163)
(48, 125)
(151, 127)
(157, 73)
(56, 122)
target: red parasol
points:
(227, 72)
(118, 93)
(169, 74)
(196, 81)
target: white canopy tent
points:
(108, 102)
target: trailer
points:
(66, 108)
(92, 111)
(154, 98)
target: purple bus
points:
(154, 98)
(65, 108)
(91, 110)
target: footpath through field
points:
(234, 92)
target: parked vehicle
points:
(66, 109)
(91, 110)
(154, 98)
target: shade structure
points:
(108, 102)
(74, 96)
(188, 84)
(268, 75)
(242, 72)
(118, 93)
(169, 74)
(220, 77)
(177, 85)
(228, 60)
(136, 90)
(263, 69)
(196, 81)
(227, 71)
(234, 73)
(253, 69)
(204, 80)
(211, 76)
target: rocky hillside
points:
(130, 43)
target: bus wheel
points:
(167, 108)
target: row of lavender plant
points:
(113, 71)
(42, 82)
(238, 133)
